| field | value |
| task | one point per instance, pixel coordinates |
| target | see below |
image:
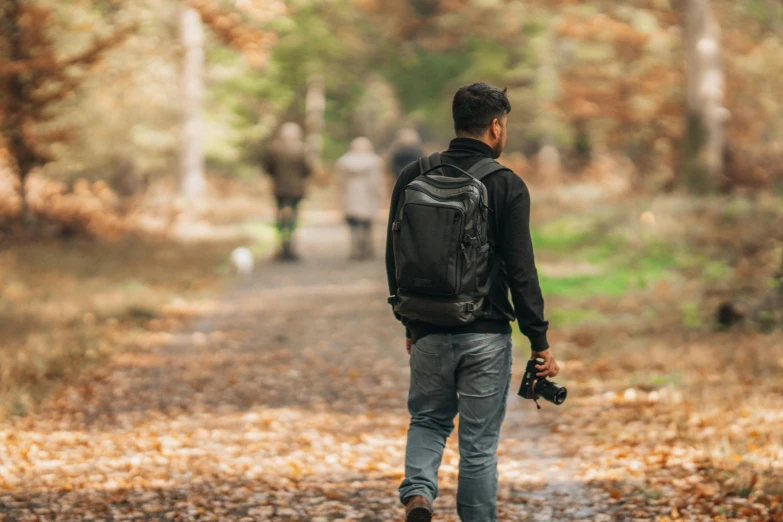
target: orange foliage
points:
(33, 79)
(634, 92)
(86, 208)
(424, 20)
(255, 45)
(10, 199)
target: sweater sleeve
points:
(521, 267)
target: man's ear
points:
(495, 128)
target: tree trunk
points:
(192, 180)
(702, 165)
(17, 144)
(774, 9)
(315, 109)
(548, 89)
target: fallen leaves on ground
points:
(287, 402)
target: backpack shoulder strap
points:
(427, 162)
(484, 167)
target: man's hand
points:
(408, 345)
(549, 368)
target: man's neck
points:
(475, 144)
(482, 139)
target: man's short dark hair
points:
(475, 106)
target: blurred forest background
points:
(649, 131)
(92, 89)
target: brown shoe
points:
(418, 509)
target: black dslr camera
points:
(534, 387)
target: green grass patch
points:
(691, 317)
(614, 280)
(605, 248)
(563, 317)
(622, 265)
(613, 284)
(656, 381)
(263, 234)
(715, 272)
(563, 235)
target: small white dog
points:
(242, 258)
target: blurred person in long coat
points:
(286, 162)
(360, 174)
(406, 150)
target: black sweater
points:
(509, 233)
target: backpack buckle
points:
(395, 226)
(470, 307)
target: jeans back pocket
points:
(426, 371)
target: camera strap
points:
(533, 393)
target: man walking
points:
(406, 149)
(287, 163)
(458, 241)
(360, 175)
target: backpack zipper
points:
(482, 207)
(471, 183)
(464, 195)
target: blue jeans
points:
(467, 374)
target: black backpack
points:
(442, 255)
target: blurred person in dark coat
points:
(360, 175)
(407, 150)
(286, 162)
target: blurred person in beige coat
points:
(360, 175)
(286, 162)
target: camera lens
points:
(560, 396)
(551, 391)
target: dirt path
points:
(286, 404)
